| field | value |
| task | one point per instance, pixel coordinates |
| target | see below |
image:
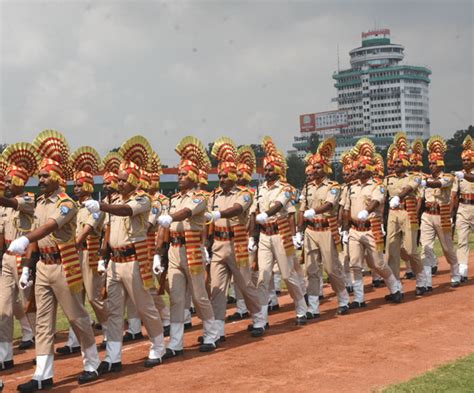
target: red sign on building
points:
(308, 122)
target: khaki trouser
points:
(223, 266)
(320, 250)
(362, 247)
(346, 266)
(161, 305)
(180, 279)
(464, 225)
(93, 284)
(430, 228)
(402, 240)
(11, 302)
(51, 288)
(270, 249)
(123, 278)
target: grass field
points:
(456, 377)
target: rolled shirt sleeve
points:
(65, 212)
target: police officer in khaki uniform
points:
(436, 219)
(463, 194)
(58, 272)
(186, 269)
(229, 214)
(129, 270)
(364, 213)
(17, 218)
(277, 241)
(86, 162)
(402, 189)
(322, 242)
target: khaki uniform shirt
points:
(463, 186)
(241, 196)
(194, 200)
(440, 195)
(18, 222)
(395, 184)
(319, 194)
(130, 229)
(62, 209)
(95, 221)
(268, 195)
(160, 204)
(361, 195)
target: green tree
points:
(295, 173)
(452, 159)
(313, 143)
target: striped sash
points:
(93, 251)
(19, 268)
(410, 205)
(141, 249)
(285, 233)
(240, 245)
(376, 227)
(445, 213)
(70, 262)
(150, 242)
(332, 220)
(194, 253)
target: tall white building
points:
(380, 95)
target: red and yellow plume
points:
(346, 161)
(271, 155)
(436, 147)
(225, 151)
(390, 152)
(111, 165)
(401, 148)
(23, 162)
(85, 162)
(365, 150)
(246, 162)
(378, 164)
(136, 153)
(416, 156)
(3, 172)
(468, 148)
(324, 154)
(156, 170)
(53, 148)
(192, 152)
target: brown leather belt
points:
(50, 256)
(269, 229)
(467, 199)
(318, 225)
(177, 239)
(361, 226)
(124, 252)
(432, 208)
(223, 234)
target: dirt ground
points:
(361, 352)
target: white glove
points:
(25, 281)
(298, 240)
(207, 256)
(212, 216)
(395, 202)
(252, 246)
(345, 237)
(459, 174)
(157, 268)
(262, 218)
(363, 215)
(165, 220)
(383, 231)
(309, 214)
(101, 266)
(92, 205)
(18, 246)
(423, 183)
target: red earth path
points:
(364, 351)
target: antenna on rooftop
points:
(338, 57)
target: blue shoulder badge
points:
(154, 210)
(288, 194)
(247, 198)
(382, 189)
(197, 200)
(333, 191)
(27, 198)
(95, 216)
(64, 210)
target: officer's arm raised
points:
(124, 210)
(9, 202)
(233, 211)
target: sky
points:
(103, 71)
